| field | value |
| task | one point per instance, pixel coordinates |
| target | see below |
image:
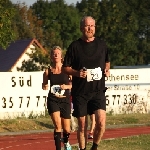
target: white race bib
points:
(56, 90)
(94, 74)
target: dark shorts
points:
(63, 105)
(86, 104)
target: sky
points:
(30, 2)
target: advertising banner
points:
(21, 93)
(128, 91)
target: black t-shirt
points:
(90, 55)
(55, 81)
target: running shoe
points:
(90, 136)
(67, 146)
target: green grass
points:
(45, 122)
(128, 119)
(141, 142)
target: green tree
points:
(118, 24)
(26, 24)
(21, 22)
(142, 9)
(89, 8)
(7, 13)
(60, 22)
(124, 25)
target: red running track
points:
(44, 141)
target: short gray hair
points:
(82, 21)
(54, 48)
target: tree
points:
(124, 25)
(59, 27)
(142, 9)
(89, 8)
(118, 25)
(26, 24)
(7, 13)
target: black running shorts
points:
(86, 104)
(63, 105)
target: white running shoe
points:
(67, 146)
(90, 136)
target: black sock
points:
(57, 138)
(66, 137)
(83, 149)
(94, 146)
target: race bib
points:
(56, 90)
(94, 74)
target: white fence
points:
(128, 91)
(21, 92)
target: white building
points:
(16, 53)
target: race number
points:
(94, 74)
(56, 90)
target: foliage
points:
(59, 27)
(118, 28)
(21, 23)
(7, 13)
(123, 24)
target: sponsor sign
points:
(21, 92)
(128, 91)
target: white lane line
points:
(8, 146)
(25, 144)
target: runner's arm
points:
(70, 71)
(45, 80)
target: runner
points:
(58, 101)
(87, 61)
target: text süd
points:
(21, 81)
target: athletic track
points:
(44, 141)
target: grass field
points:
(44, 122)
(141, 142)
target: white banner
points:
(21, 93)
(128, 91)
